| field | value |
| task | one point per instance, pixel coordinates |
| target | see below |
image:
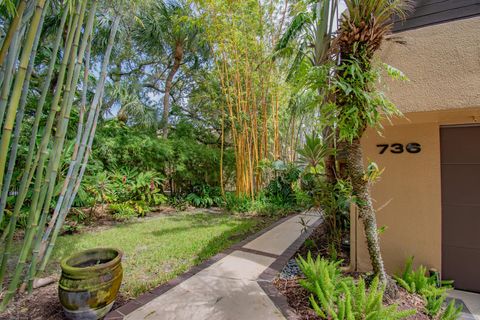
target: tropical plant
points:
(205, 197)
(309, 37)
(359, 103)
(280, 189)
(337, 297)
(335, 200)
(312, 154)
(434, 293)
(170, 28)
(128, 210)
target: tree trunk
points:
(177, 60)
(367, 213)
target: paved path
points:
(471, 304)
(233, 284)
(231, 287)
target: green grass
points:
(159, 249)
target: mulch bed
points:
(298, 297)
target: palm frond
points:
(294, 29)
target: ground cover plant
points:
(430, 288)
(335, 296)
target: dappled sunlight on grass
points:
(159, 249)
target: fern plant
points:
(415, 281)
(434, 298)
(326, 273)
(452, 312)
(324, 280)
(340, 298)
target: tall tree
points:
(360, 104)
(252, 91)
(170, 28)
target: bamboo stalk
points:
(33, 218)
(46, 193)
(18, 85)
(12, 30)
(18, 205)
(18, 121)
(86, 42)
(90, 129)
(9, 71)
(53, 166)
(27, 173)
(63, 118)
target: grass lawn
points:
(158, 249)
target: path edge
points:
(264, 281)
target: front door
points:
(460, 156)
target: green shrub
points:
(205, 197)
(281, 187)
(337, 297)
(234, 203)
(452, 312)
(417, 281)
(122, 211)
(334, 199)
(177, 202)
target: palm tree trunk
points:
(177, 60)
(364, 203)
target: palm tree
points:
(310, 36)
(360, 105)
(169, 28)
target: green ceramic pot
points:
(90, 282)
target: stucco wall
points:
(443, 64)
(408, 195)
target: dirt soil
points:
(43, 304)
(298, 297)
(317, 244)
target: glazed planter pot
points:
(90, 282)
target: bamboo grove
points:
(66, 78)
(254, 92)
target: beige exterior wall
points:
(408, 195)
(443, 64)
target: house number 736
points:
(398, 148)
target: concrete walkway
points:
(470, 302)
(231, 287)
